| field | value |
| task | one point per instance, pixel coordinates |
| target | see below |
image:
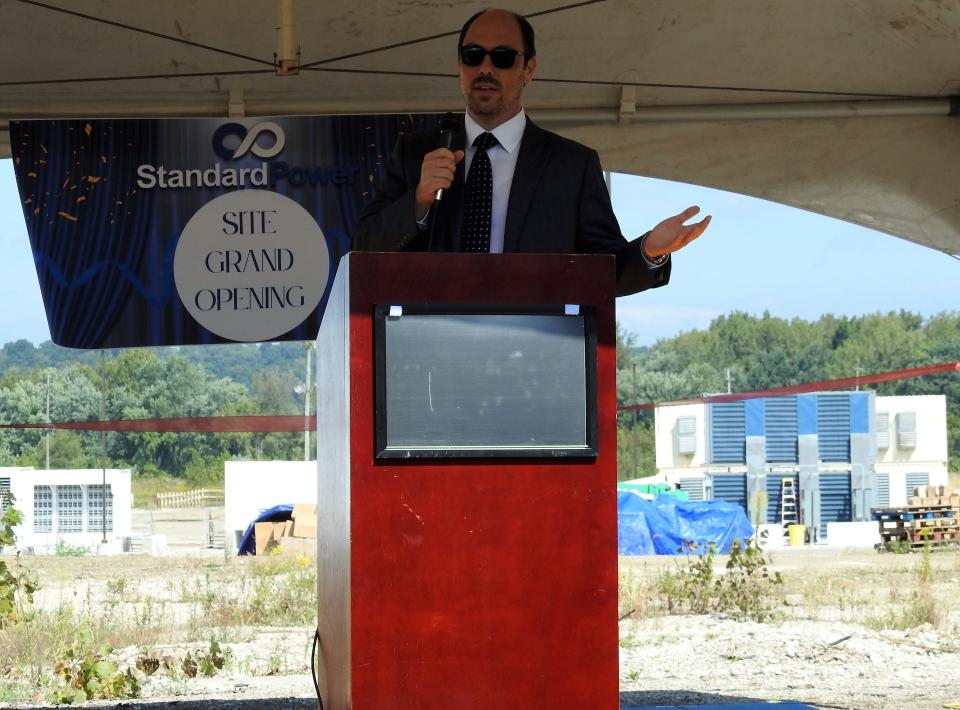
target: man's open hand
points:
(672, 234)
(436, 173)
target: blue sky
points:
(759, 256)
(755, 256)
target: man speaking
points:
(525, 189)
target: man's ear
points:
(529, 70)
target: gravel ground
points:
(706, 659)
(827, 648)
(823, 649)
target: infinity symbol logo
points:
(248, 140)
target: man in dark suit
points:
(548, 193)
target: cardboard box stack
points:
(297, 536)
(932, 496)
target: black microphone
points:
(449, 127)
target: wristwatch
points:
(652, 260)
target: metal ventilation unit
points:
(883, 430)
(686, 435)
(907, 430)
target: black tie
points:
(478, 198)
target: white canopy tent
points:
(842, 107)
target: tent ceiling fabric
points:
(773, 98)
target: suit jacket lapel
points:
(531, 160)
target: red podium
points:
(467, 524)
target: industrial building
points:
(840, 453)
(66, 508)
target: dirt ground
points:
(854, 629)
(850, 629)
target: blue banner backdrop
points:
(106, 203)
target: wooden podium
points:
(470, 575)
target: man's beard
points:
(491, 107)
(484, 105)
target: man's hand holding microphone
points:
(439, 167)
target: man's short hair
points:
(526, 30)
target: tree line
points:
(747, 352)
(145, 383)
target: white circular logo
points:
(251, 265)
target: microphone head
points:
(451, 126)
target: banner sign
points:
(187, 231)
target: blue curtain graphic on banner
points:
(192, 231)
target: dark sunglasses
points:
(500, 57)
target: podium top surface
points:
(481, 278)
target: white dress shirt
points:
(503, 160)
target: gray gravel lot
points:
(825, 648)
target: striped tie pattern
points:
(478, 198)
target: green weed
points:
(17, 585)
(65, 549)
(117, 586)
(86, 673)
(921, 606)
(57, 653)
(746, 590)
(899, 546)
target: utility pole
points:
(636, 452)
(48, 420)
(729, 381)
(306, 406)
(103, 446)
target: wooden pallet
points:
(930, 535)
(934, 526)
(915, 513)
(914, 546)
(933, 546)
(932, 523)
(905, 525)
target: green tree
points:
(24, 397)
(273, 390)
(19, 354)
(141, 385)
(66, 451)
(636, 451)
(878, 343)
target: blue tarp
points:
(662, 526)
(248, 543)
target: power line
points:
(277, 423)
(297, 422)
(820, 385)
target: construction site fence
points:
(199, 498)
